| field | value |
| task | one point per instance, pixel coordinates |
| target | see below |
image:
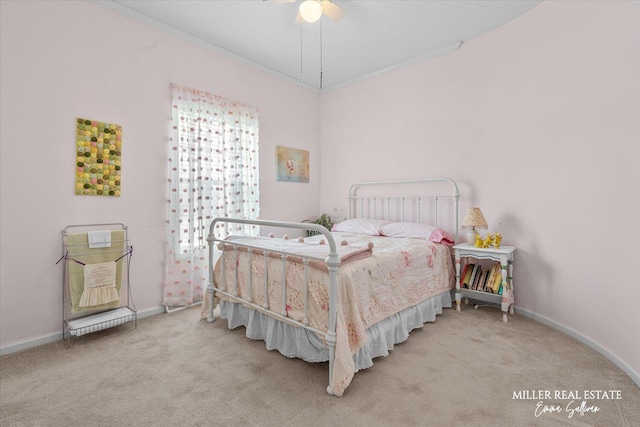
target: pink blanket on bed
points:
(372, 286)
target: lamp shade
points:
(474, 219)
(310, 10)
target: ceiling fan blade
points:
(333, 11)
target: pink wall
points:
(68, 59)
(539, 123)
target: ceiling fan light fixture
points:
(310, 10)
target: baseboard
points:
(624, 366)
(173, 309)
(46, 339)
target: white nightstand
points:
(503, 255)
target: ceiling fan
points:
(312, 10)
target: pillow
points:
(370, 227)
(414, 229)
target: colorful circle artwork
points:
(98, 158)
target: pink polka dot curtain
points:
(213, 172)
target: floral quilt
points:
(394, 274)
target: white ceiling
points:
(375, 35)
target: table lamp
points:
(473, 220)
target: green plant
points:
(324, 220)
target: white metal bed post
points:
(333, 261)
(456, 213)
(210, 287)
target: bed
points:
(345, 296)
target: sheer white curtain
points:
(213, 172)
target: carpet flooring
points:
(465, 369)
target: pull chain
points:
(321, 71)
(300, 56)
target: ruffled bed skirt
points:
(303, 344)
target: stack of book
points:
(484, 279)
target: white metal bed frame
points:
(364, 203)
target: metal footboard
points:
(332, 261)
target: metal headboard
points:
(411, 206)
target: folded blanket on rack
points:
(99, 238)
(99, 284)
(78, 248)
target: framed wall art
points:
(292, 164)
(98, 158)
